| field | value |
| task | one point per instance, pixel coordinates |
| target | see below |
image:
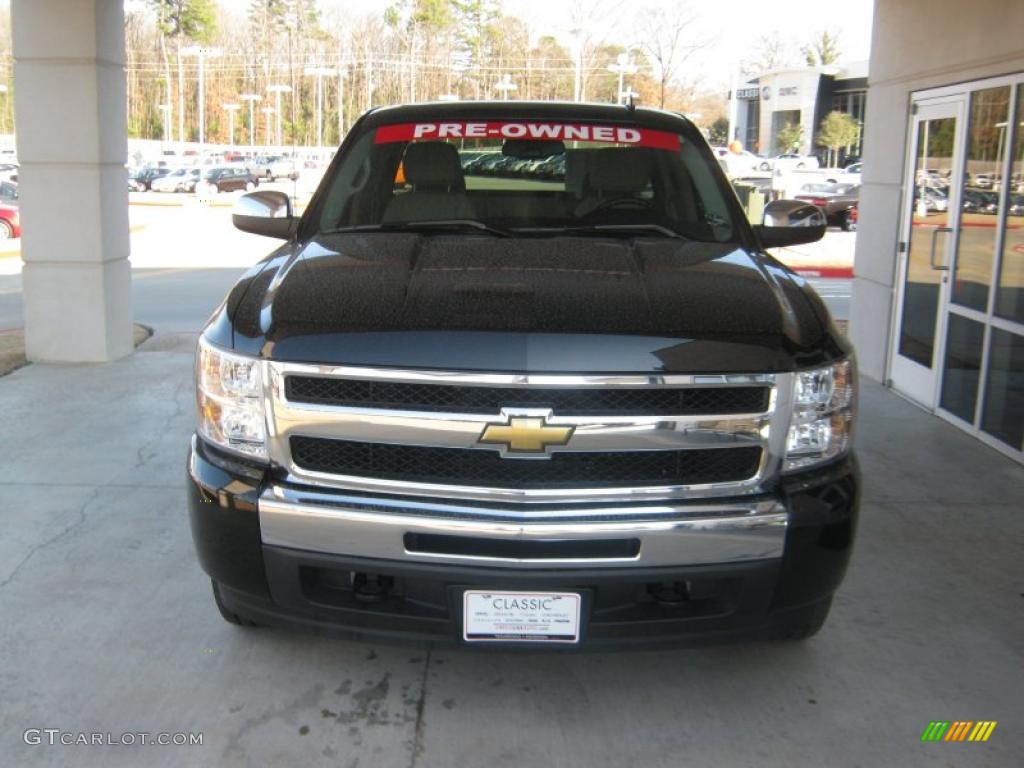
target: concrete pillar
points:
(72, 138)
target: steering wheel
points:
(621, 202)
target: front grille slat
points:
(475, 467)
(457, 398)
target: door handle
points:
(931, 254)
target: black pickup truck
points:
(522, 374)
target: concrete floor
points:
(107, 623)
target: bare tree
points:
(771, 52)
(666, 38)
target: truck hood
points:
(470, 302)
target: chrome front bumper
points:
(664, 534)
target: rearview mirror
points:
(266, 212)
(791, 222)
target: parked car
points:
(978, 201)
(227, 179)
(791, 160)
(9, 192)
(851, 174)
(934, 200)
(501, 415)
(10, 222)
(740, 163)
(985, 180)
(274, 167)
(181, 180)
(142, 179)
(836, 200)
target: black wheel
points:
(766, 166)
(228, 615)
(847, 223)
(801, 623)
(6, 230)
(801, 166)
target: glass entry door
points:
(958, 345)
(929, 230)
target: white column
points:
(72, 143)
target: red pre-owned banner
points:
(529, 131)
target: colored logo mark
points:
(958, 730)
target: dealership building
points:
(938, 297)
(761, 107)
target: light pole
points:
(577, 55)
(341, 103)
(201, 54)
(622, 66)
(505, 85)
(231, 109)
(320, 73)
(252, 98)
(165, 110)
(277, 90)
(268, 111)
(3, 125)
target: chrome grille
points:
(486, 468)
(567, 402)
(633, 437)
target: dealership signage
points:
(612, 134)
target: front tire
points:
(6, 230)
(250, 186)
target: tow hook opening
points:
(671, 593)
(371, 588)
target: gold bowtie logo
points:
(525, 434)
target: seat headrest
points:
(433, 164)
(619, 170)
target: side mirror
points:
(266, 212)
(791, 222)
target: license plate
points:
(538, 617)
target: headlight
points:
(229, 391)
(824, 409)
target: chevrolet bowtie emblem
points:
(525, 435)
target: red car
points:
(10, 223)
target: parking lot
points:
(116, 631)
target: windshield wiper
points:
(596, 229)
(438, 225)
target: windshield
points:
(527, 178)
